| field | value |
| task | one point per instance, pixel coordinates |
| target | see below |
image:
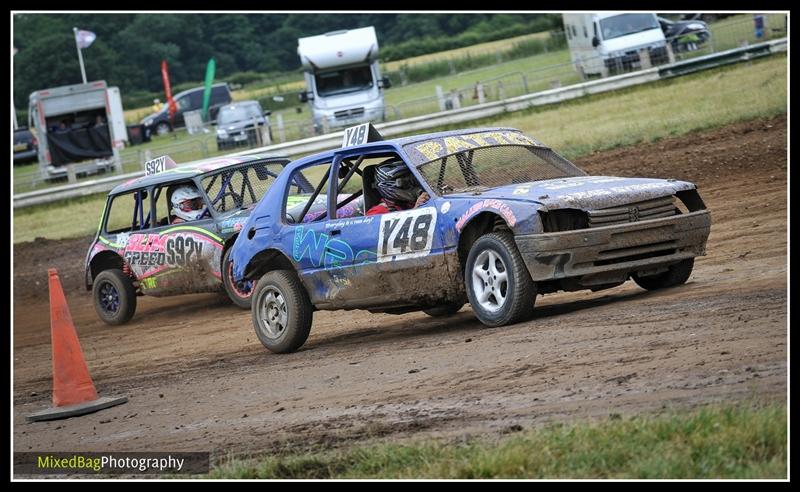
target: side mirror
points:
(304, 97)
(595, 42)
(385, 83)
(267, 113)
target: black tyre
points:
(282, 312)
(162, 128)
(499, 287)
(114, 297)
(443, 310)
(677, 274)
(239, 292)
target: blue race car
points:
(500, 218)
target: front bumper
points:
(621, 248)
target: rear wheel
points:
(114, 297)
(282, 312)
(239, 292)
(677, 274)
(498, 284)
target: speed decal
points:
(407, 234)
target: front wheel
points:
(282, 312)
(114, 297)
(499, 287)
(239, 292)
(677, 274)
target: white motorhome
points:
(80, 124)
(344, 86)
(612, 42)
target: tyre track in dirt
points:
(199, 380)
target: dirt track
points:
(198, 379)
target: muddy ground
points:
(199, 380)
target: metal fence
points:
(286, 127)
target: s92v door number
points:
(406, 234)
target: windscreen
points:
(238, 188)
(344, 80)
(239, 112)
(489, 167)
(624, 24)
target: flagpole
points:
(80, 56)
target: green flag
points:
(207, 92)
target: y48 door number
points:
(408, 234)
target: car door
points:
(395, 259)
(178, 258)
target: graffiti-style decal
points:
(408, 233)
(324, 251)
(437, 148)
(498, 205)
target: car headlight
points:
(148, 122)
(221, 132)
(695, 26)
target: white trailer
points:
(612, 42)
(344, 86)
(80, 128)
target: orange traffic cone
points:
(73, 390)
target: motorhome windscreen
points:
(489, 167)
(625, 24)
(344, 80)
(238, 112)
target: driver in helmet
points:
(398, 189)
(187, 204)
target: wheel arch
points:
(266, 260)
(482, 223)
(103, 260)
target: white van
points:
(344, 86)
(81, 124)
(610, 42)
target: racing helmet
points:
(395, 182)
(187, 202)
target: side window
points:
(349, 187)
(594, 24)
(197, 99)
(129, 212)
(585, 34)
(569, 34)
(183, 103)
(220, 95)
(308, 207)
(162, 206)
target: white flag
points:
(84, 38)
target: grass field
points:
(721, 441)
(644, 113)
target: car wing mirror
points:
(595, 42)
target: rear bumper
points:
(25, 155)
(632, 247)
